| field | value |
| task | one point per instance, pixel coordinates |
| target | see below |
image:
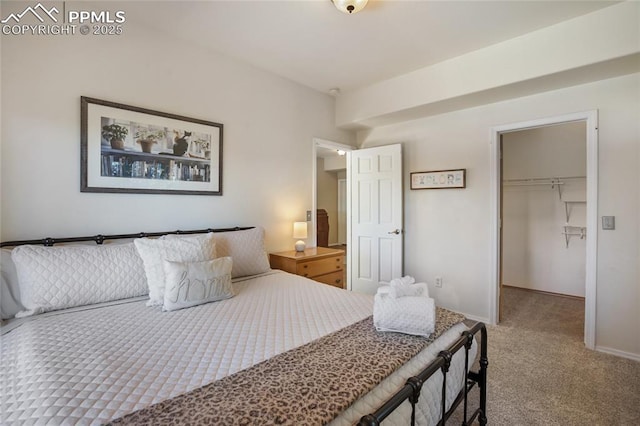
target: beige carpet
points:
(541, 374)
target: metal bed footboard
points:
(413, 386)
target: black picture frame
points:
(127, 149)
(439, 179)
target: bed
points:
(282, 350)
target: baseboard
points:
(616, 352)
(476, 318)
(550, 293)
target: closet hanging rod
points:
(508, 183)
(545, 181)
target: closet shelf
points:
(554, 182)
(574, 231)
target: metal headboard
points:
(99, 239)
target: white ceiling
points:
(312, 43)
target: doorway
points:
(327, 152)
(543, 246)
(374, 250)
(590, 119)
(329, 167)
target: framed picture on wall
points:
(137, 150)
(439, 179)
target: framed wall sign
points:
(131, 149)
(439, 179)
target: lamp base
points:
(300, 246)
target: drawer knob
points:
(338, 281)
(305, 266)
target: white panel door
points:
(376, 217)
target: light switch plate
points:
(608, 222)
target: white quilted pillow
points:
(10, 303)
(53, 278)
(155, 251)
(246, 248)
(194, 283)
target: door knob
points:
(397, 231)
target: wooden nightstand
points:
(321, 264)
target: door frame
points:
(591, 120)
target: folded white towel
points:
(410, 314)
(388, 291)
(400, 282)
(417, 289)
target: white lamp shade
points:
(300, 230)
(349, 6)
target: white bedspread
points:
(91, 366)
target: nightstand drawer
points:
(335, 279)
(320, 267)
(321, 264)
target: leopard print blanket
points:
(308, 385)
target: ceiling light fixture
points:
(349, 6)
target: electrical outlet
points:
(438, 281)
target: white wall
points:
(267, 122)
(534, 252)
(448, 231)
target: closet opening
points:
(544, 221)
(543, 233)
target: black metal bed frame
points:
(99, 239)
(412, 388)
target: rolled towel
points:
(401, 282)
(417, 289)
(410, 315)
(388, 291)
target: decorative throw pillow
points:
(194, 283)
(61, 277)
(154, 251)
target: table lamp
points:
(300, 232)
